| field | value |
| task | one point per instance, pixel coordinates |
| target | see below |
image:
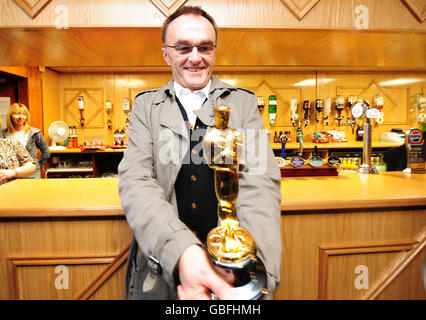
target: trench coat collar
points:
(172, 117)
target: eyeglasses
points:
(205, 49)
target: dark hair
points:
(194, 10)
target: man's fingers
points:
(180, 292)
(221, 289)
(189, 294)
(227, 274)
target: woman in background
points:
(15, 161)
(19, 129)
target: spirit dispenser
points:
(81, 110)
(327, 110)
(340, 105)
(307, 115)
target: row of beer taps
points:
(322, 110)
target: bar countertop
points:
(26, 198)
(353, 190)
(60, 197)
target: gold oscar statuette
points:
(230, 246)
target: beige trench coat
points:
(158, 141)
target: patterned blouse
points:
(13, 155)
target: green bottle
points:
(272, 109)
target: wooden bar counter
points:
(347, 237)
(62, 239)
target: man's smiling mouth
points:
(193, 69)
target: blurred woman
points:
(19, 129)
(15, 161)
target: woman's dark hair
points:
(194, 10)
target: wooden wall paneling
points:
(106, 273)
(401, 278)
(95, 89)
(398, 89)
(20, 71)
(337, 264)
(129, 85)
(408, 283)
(299, 8)
(93, 106)
(23, 91)
(237, 48)
(417, 8)
(303, 233)
(383, 14)
(168, 8)
(398, 108)
(73, 240)
(51, 100)
(32, 8)
(30, 278)
(285, 85)
(35, 97)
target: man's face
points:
(191, 69)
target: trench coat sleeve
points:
(154, 221)
(259, 195)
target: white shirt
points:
(20, 136)
(191, 101)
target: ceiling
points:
(138, 49)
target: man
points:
(167, 193)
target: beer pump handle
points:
(327, 110)
(283, 140)
(300, 139)
(293, 109)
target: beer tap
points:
(307, 115)
(299, 134)
(318, 109)
(360, 109)
(293, 109)
(350, 118)
(298, 161)
(340, 105)
(327, 110)
(420, 108)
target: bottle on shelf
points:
(272, 109)
(260, 103)
(116, 136)
(382, 166)
(122, 137)
(360, 133)
(74, 138)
